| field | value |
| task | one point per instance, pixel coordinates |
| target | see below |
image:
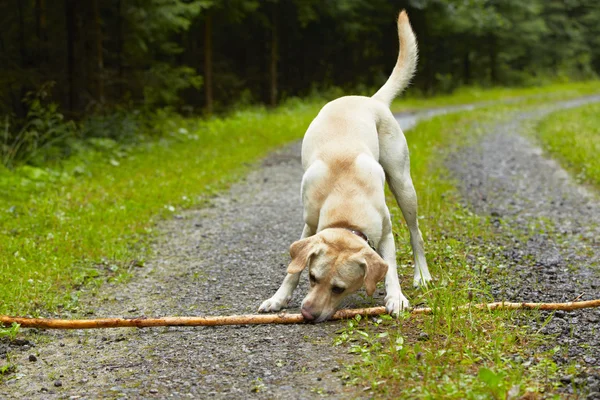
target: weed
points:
(573, 136)
(43, 128)
(7, 368)
(9, 332)
(450, 353)
(258, 386)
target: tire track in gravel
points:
(506, 176)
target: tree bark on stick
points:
(258, 319)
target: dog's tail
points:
(406, 64)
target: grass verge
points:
(573, 137)
(87, 219)
(450, 354)
(469, 95)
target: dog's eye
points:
(337, 289)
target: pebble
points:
(57, 383)
(566, 379)
(592, 318)
(32, 358)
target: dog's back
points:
(349, 125)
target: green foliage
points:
(164, 83)
(573, 136)
(88, 219)
(44, 138)
(42, 131)
(155, 52)
(153, 25)
(9, 332)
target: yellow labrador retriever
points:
(349, 150)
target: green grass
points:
(79, 222)
(573, 137)
(89, 218)
(468, 95)
(450, 354)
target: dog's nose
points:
(307, 315)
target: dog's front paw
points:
(395, 302)
(272, 304)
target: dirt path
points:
(224, 259)
(507, 176)
(227, 258)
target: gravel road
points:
(527, 195)
(223, 259)
(228, 257)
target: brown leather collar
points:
(359, 234)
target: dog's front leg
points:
(394, 299)
(283, 295)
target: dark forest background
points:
(98, 57)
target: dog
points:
(349, 151)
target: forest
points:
(71, 60)
(151, 166)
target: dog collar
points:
(363, 236)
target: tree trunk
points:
(120, 40)
(274, 57)
(208, 64)
(40, 28)
(493, 59)
(70, 25)
(99, 64)
(22, 50)
(467, 68)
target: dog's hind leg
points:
(395, 161)
(283, 295)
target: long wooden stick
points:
(281, 318)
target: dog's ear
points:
(301, 252)
(375, 270)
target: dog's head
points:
(339, 263)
